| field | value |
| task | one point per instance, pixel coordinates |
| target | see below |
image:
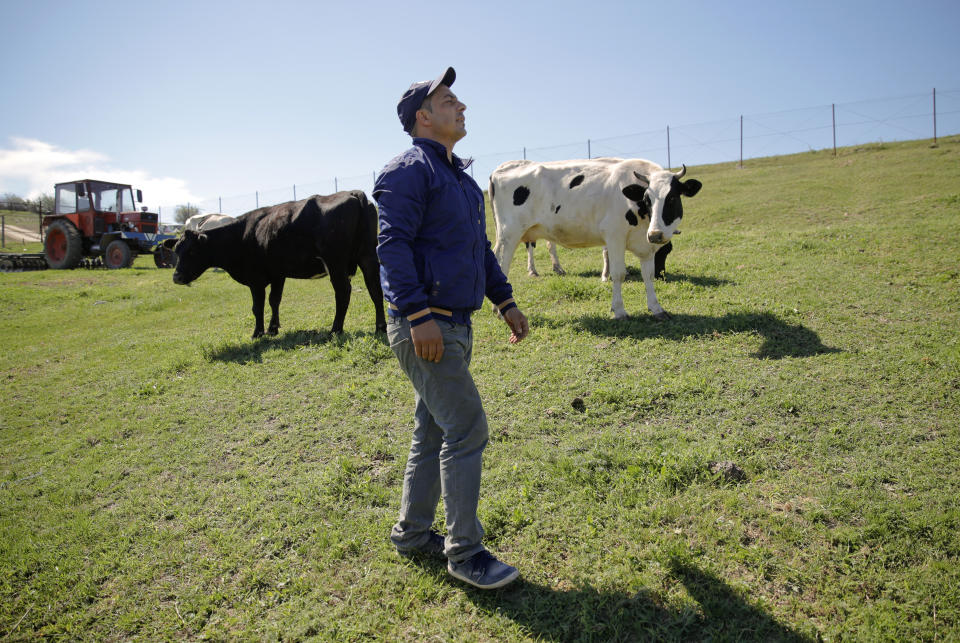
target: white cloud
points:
(30, 167)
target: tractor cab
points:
(97, 207)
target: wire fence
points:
(739, 139)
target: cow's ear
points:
(634, 192)
(691, 187)
(202, 238)
(169, 243)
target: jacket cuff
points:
(419, 317)
(506, 305)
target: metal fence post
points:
(934, 116)
(669, 164)
(220, 205)
(741, 141)
(294, 191)
(335, 188)
(258, 197)
(3, 231)
(833, 112)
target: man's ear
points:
(423, 117)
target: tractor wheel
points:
(63, 246)
(164, 257)
(118, 255)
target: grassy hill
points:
(162, 476)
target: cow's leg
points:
(616, 248)
(646, 269)
(531, 268)
(276, 294)
(605, 275)
(341, 291)
(552, 247)
(660, 261)
(505, 247)
(259, 293)
(370, 268)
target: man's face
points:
(447, 123)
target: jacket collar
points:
(441, 151)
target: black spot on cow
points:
(577, 180)
(631, 217)
(557, 210)
(638, 194)
(520, 195)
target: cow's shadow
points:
(633, 273)
(780, 338)
(252, 350)
(589, 614)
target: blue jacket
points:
(435, 259)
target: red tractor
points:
(100, 219)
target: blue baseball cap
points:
(413, 98)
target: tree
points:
(11, 201)
(184, 212)
(45, 203)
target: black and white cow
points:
(313, 237)
(202, 222)
(593, 202)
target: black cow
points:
(313, 237)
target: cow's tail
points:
(366, 232)
(491, 193)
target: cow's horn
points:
(683, 170)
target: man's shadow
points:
(780, 338)
(587, 614)
(252, 350)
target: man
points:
(436, 265)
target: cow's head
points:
(192, 257)
(657, 196)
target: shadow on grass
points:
(252, 350)
(587, 614)
(780, 338)
(633, 273)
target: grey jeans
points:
(449, 435)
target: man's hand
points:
(517, 322)
(428, 341)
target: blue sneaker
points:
(484, 571)
(433, 548)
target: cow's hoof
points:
(662, 316)
(621, 315)
(336, 331)
(256, 334)
(273, 331)
(560, 271)
(533, 273)
(381, 328)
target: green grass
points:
(162, 476)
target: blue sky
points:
(195, 100)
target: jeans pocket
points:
(397, 333)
